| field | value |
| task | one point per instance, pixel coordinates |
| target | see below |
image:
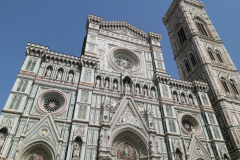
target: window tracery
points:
(201, 28)
(181, 36)
(16, 100)
(233, 87)
(123, 63)
(52, 105)
(210, 53)
(31, 65)
(193, 60)
(219, 57)
(187, 66)
(22, 86)
(224, 84)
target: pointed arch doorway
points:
(128, 145)
(37, 151)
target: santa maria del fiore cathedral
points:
(116, 101)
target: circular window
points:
(122, 59)
(52, 101)
(52, 105)
(190, 124)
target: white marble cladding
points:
(124, 37)
(102, 108)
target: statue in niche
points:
(126, 87)
(191, 101)
(48, 73)
(183, 99)
(98, 82)
(153, 93)
(70, 77)
(137, 90)
(107, 84)
(76, 151)
(59, 75)
(175, 98)
(145, 91)
(115, 86)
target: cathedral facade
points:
(116, 101)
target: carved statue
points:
(183, 99)
(59, 75)
(153, 93)
(115, 86)
(107, 84)
(98, 82)
(70, 77)
(145, 91)
(191, 101)
(76, 151)
(48, 73)
(127, 87)
(137, 90)
(175, 98)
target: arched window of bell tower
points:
(210, 53)
(181, 35)
(224, 84)
(202, 29)
(219, 57)
(187, 66)
(193, 60)
(234, 87)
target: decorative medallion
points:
(188, 125)
(44, 132)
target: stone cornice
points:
(122, 25)
(55, 85)
(166, 78)
(44, 52)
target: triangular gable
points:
(7, 122)
(128, 113)
(44, 130)
(197, 150)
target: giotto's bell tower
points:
(201, 55)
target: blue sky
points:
(60, 24)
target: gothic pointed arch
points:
(39, 150)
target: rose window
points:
(51, 101)
(123, 63)
(52, 105)
(187, 125)
(125, 60)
